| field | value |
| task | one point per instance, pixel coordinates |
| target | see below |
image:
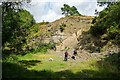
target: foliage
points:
(8, 17)
(36, 27)
(106, 2)
(43, 23)
(114, 59)
(35, 39)
(43, 47)
(70, 11)
(62, 27)
(16, 23)
(108, 22)
(11, 58)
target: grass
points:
(45, 64)
(38, 66)
(57, 64)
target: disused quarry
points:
(94, 59)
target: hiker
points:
(66, 56)
(75, 52)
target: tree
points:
(108, 22)
(65, 9)
(96, 12)
(16, 24)
(70, 11)
(101, 3)
(9, 10)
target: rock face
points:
(59, 37)
(68, 38)
(69, 42)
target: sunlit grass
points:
(39, 65)
(85, 65)
(58, 64)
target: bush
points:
(62, 27)
(43, 48)
(10, 58)
(43, 23)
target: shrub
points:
(62, 27)
(43, 47)
(10, 58)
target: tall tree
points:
(16, 23)
(65, 9)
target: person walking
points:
(66, 56)
(74, 54)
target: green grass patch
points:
(38, 65)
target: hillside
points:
(75, 34)
(73, 28)
(96, 58)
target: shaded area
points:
(111, 59)
(108, 67)
(90, 43)
(105, 70)
(107, 23)
(29, 63)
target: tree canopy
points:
(16, 23)
(70, 11)
(108, 22)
